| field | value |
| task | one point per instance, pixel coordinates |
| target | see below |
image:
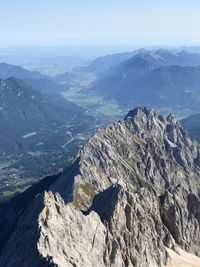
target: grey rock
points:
(133, 191)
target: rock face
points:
(132, 193)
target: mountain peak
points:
(133, 180)
(140, 111)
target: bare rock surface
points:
(131, 197)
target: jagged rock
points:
(74, 239)
(133, 191)
(180, 213)
(132, 220)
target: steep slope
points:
(10, 211)
(132, 192)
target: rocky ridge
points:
(132, 193)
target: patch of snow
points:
(29, 135)
(170, 143)
(40, 144)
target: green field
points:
(6, 195)
(79, 98)
(109, 109)
(93, 102)
(6, 164)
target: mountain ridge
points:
(153, 79)
(126, 198)
(43, 83)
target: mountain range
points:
(165, 57)
(101, 64)
(153, 78)
(41, 82)
(48, 85)
(131, 198)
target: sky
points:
(137, 23)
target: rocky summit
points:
(131, 196)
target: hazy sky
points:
(99, 22)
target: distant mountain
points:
(101, 65)
(8, 70)
(181, 58)
(189, 49)
(172, 85)
(41, 82)
(153, 79)
(192, 125)
(129, 70)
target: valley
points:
(69, 151)
(99, 133)
(46, 140)
(76, 103)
